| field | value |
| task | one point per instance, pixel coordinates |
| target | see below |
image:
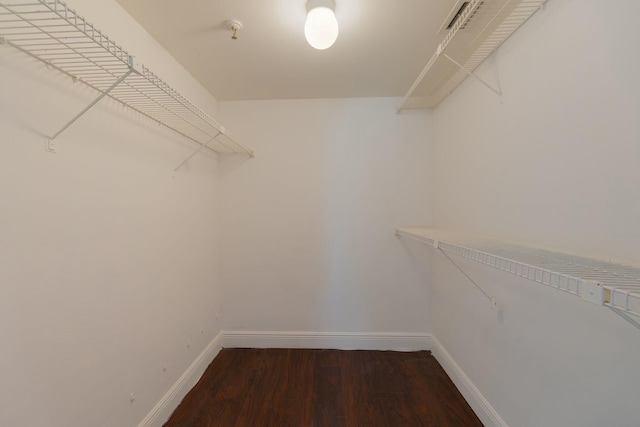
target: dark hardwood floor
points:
(256, 388)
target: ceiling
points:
(382, 47)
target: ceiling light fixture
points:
(321, 26)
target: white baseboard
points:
(326, 340)
(170, 401)
(323, 340)
(477, 401)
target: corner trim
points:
(480, 405)
(170, 401)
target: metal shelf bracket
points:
(497, 91)
(487, 24)
(203, 146)
(606, 284)
(492, 301)
(50, 145)
(53, 33)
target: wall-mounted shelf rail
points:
(55, 34)
(481, 27)
(603, 283)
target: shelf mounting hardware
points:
(474, 75)
(53, 33)
(436, 245)
(52, 138)
(602, 283)
(486, 24)
(625, 316)
(492, 301)
(203, 146)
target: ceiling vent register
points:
(475, 30)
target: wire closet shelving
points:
(603, 283)
(55, 34)
(477, 31)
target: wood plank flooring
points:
(317, 388)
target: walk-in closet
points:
(322, 212)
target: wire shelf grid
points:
(493, 22)
(55, 34)
(568, 273)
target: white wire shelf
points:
(55, 34)
(480, 29)
(603, 283)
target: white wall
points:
(108, 263)
(554, 162)
(308, 241)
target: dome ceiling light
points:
(321, 27)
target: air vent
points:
(474, 13)
(460, 10)
(486, 24)
(457, 15)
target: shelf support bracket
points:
(50, 146)
(625, 316)
(492, 301)
(474, 75)
(202, 147)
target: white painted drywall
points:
(554, 162)
(108, 263)
(308, 240)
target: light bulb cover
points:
(321, 27)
